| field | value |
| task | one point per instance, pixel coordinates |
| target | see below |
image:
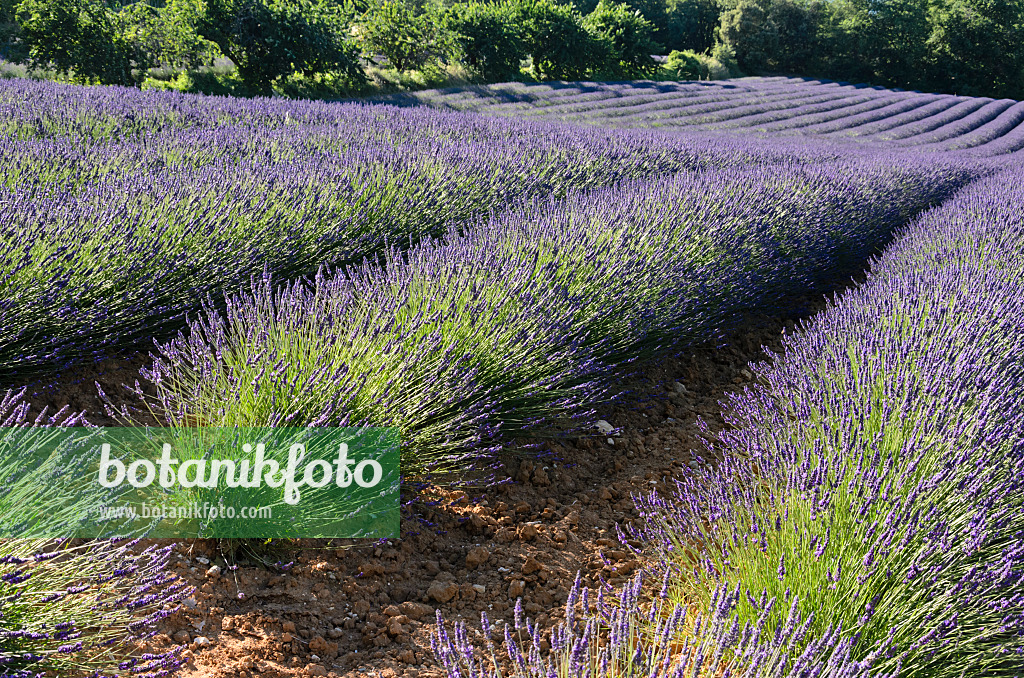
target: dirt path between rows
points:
(348, 610)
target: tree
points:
(488, 38)
(561, 48)
(686, 65)
(629, 37)
(896, 35)
(78, 38)
(166, 35)
(750, 33)
(407, 38)
(11, 46)
(267, 39)
(795, 24)
(977, 47)
(690, 25)
(882, 41)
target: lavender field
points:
(475, 267)
(768, 106)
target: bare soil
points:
(349, 609)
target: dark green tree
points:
(409, 38)
(977, 47)
(690, 25)
(488, 39)
(79, 38)
(795, 23)
(629, 37)
(880, 41)
(11, 46)
(748, 30)
(267, 39)
(562, 49)
(896, 36)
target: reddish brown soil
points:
(349, 609)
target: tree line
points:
(969, 47)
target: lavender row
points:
(736, 108)
(874, 478)
(957, 128)
(756, 104)
(929, 114)
(866, 516)
(893, 108)
(526, 318)
(997, 128)
(73, 609)
(811, 113)
(512, 97)
(917, 127)
(588, 99)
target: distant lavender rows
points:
(765, 105)
(868, 519)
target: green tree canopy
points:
(408, 37)
(166, 35)
(267, 39)
(488, 38)
(562, 49)
(749, 31)
(977, 47)
(78, 38)
(629, 37)
(690, 25)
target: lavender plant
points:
(74, 610)
(874, 478)
(639, 634)
(84, 610)
(867, 516)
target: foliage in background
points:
(686, 66)
(488, 38)
(11, 48)
(77, 38)
(166, 36)
(268, 39)
(408, 38)
(561, 47)
(690, 25)
(968, 47)
(977, 47)
(312, 47)
(627, 36)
